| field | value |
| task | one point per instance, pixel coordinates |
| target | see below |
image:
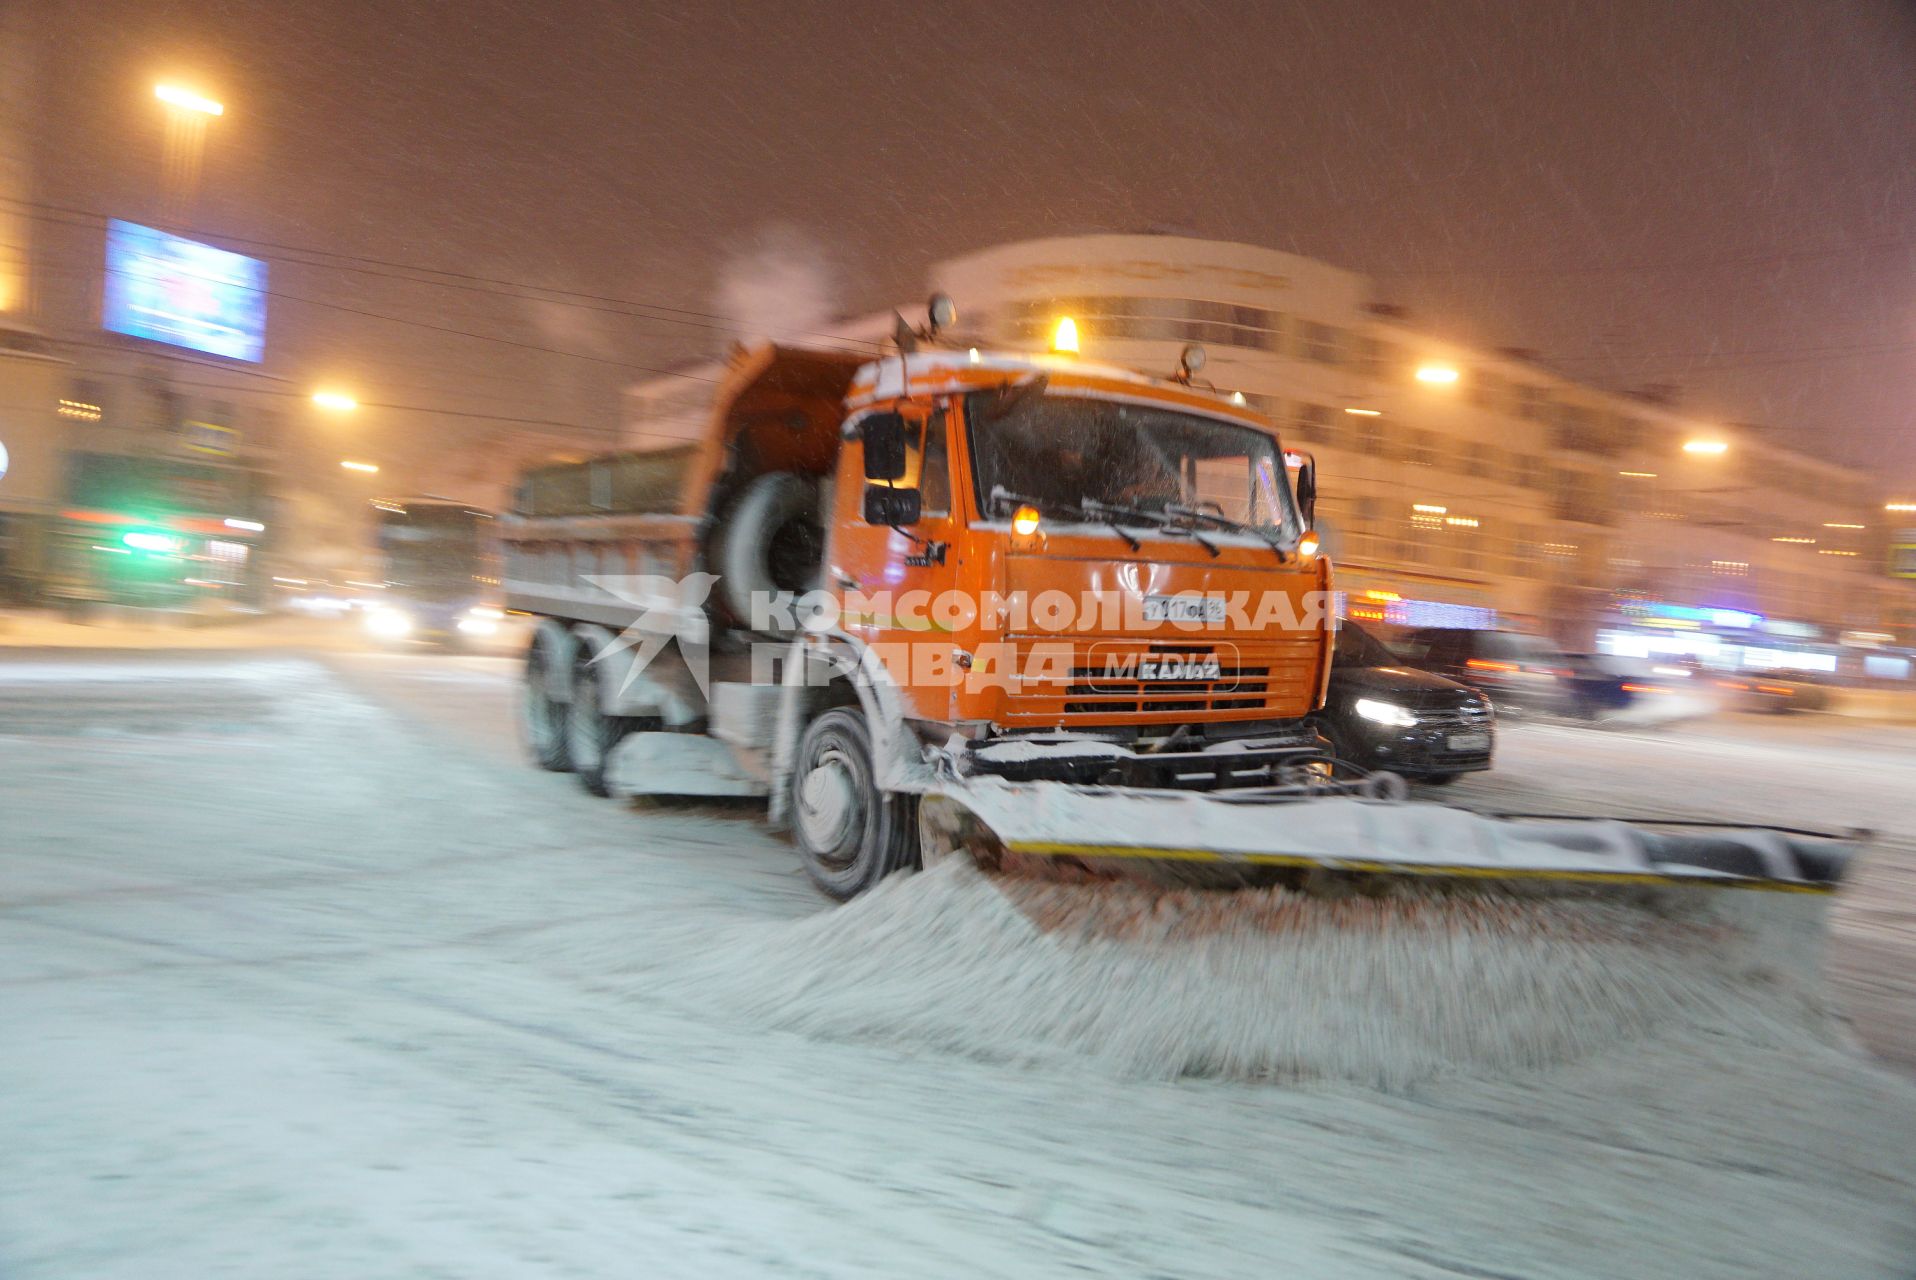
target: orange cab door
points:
(894, 585)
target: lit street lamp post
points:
(186, 116)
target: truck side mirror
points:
(884, 437)
(892, 507)
(1307, 494)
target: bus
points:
(439, 564)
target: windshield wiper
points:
(1156, 519)
(1223, 521)
(1085, 511)
(1106, 515)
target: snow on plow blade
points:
(1193, 837)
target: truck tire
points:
(542, 720)
(590, 732)
(850, 835)
(772, 540)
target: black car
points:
(1516, 670)
(1382, 713)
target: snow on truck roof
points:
(948, 371)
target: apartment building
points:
(1458, 485)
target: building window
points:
(1586, 430)
(1533, 402)
(1323, 343)
(1526, 553)
(1477, 459)
(1153, 319)
(1420, 448)
(1313, 421)
(1532, 473)
(1563, 491)
(1486, 390)
(1390, 361)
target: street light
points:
(337, 401)
(174, 96)
(1709, 447)
(186, 116)
(1899, 506)
(1439, 374)
(369, 468)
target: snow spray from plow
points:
(1269, 983)
(1372, 943)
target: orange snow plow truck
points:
(1045, 612)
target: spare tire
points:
(772, 540)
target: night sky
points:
(1719, 195)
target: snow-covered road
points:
(304, 973)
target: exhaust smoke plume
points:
(783, 286)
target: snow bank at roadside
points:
(1252, 985)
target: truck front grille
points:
(1453, 715)
(1095, 681)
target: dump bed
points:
(649, 513)
(648, 483)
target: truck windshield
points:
(1066, 451)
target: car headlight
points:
(479, 622)
(1385, 713)
(388, 624)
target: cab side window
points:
(935, 470)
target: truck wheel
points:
(590, 732)
(542, 720)
(849, 834)
(773, 540)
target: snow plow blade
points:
(1320, 842)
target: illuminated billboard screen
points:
(184, 293)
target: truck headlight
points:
(1384, 713)
(479, 622)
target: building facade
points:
(1455, 481)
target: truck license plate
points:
(1202, 609)
(1477, 741)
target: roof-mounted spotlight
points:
(941, 311)
(1190, 360)
(1064, 338)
